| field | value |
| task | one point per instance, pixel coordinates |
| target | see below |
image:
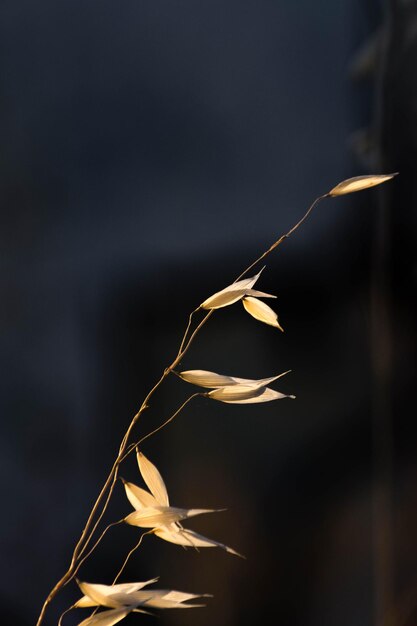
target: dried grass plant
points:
(152, 510)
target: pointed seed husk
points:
(204, 378)
(259, 294)
(266, 395)
(191, 539)
(138, 497)
(231, 294)
(107, 590)
(236, 392)
(162, 516)
(261, 311)
(153, 479)
(101, 595)
(212, 380)
(358, 183)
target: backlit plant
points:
(152, 510)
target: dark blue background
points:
(149, 151)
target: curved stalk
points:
(108, 486)
(119, 573)
(85, 557)
(64, 613)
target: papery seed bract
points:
(266, 395)
(204, 378)
(261, 311)
(163, 603)
(180, 596)
(233, 393)
(210, 380)
(230, 294)
(102, 595)
(138, 497)
(189, 538)
(357, 183)
(259, 294)
(105, 590)
(162, 516)
(169, 599)
(111, 595)
(153, 479)
(260, 381)
(164, 520)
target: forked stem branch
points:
(95, 516)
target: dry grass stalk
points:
(153, 508)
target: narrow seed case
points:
(190, 539)
(129, 597)
(162, 516)
(261, 311)
(358, 183)
(246, 394)
(267, 395)
(102, 591)
(212, 380)
(204, 378)
(152, 512)
(230, 294)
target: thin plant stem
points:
(85, 557)
(82, 561)
(134, 445)
(119, 573)
(251, 266)
(64, 613)
(128, 452)
(281, 239)
(167, 421)
(190, 319)
(108, 486)
(123, 446)
(59, 585)
(194, 334)
(100, 517)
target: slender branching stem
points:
(59, 585)
(194, 333)
(100, 517)
(167, 421)
(85, 557)
(190, 319)
(108, 487)
(136, 444)
(120, 572)
(64, 613)
(281, 239)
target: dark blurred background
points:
(149, 151)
